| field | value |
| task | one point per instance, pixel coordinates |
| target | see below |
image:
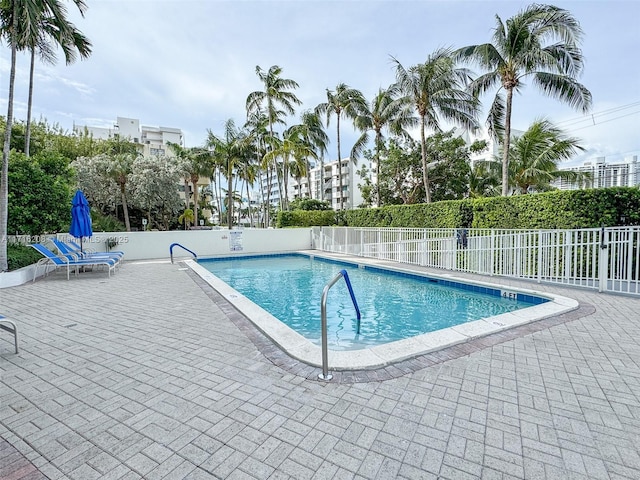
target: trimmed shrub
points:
(306, 218)
(560, 209)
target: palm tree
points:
(65, 35)
(436, 89)
(19, 20)
(345, 101)
(119, 169)
(540, 42)
(484, 179)
(182, 154)
(256, 125)
(276, 98)
(230, 150)
(194, 163)
(312, 132)
(187, 218)
(535, 155)
(293, 146)
(386, 111)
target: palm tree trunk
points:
(4, 180)
(194, 182)
(285, 181)
(279, 178)
(266, 214)
(378, 142)
(339, 161)
(219, 195)
(186, 193)
(125, 208)
(229, 196)
(249, 205)
(425, 174)
(506, 144)
(310, 192)
(27, 131)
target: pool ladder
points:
(325, 375)
(183, 247)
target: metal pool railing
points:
(603, 259)
(325, 375)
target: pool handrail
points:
(325, 375)
(183, 247)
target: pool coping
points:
(380, 356)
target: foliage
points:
(401, 181)
(540, 43)
(561, 209)
(446, 214)
(105, 223)
(450, 173)
(21, 256)
(154, 190)
(39, 194)
(343, 102)
(306, 218)
(535, 155)
(187, 217)
(309, 204)
(436, 89)
(101, 190)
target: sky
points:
(190, 64)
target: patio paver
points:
(150, 375)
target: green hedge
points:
(19, 256)
(563, 209)
(450, 213)
(306, 218)
(560, 209)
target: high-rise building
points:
(325, 184)
(602, 174)
(152, 140)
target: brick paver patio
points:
(151, 375)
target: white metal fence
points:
(605, 259)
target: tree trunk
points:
(310, 193)
(378, 142)
(339, 161)
(27, 130)
(249, 206)
(186, 193)
(266, 215)
(125, 208)
(285, 180)
(506, 144)
(4, 178)
(425, 171)
(194, 182)
(229, 196)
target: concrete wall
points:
(205, 243)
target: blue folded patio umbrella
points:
(80, 217)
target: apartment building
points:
(151, 140)
(325, 184)
(603, 174)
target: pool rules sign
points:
(235, 241)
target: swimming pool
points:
(394, 305)
(301, 348)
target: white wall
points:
(205, 243)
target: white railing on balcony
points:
(605, 259)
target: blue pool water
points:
(393, 305)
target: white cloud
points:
(191, 64)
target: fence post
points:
(492, 244)
(603, 262)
